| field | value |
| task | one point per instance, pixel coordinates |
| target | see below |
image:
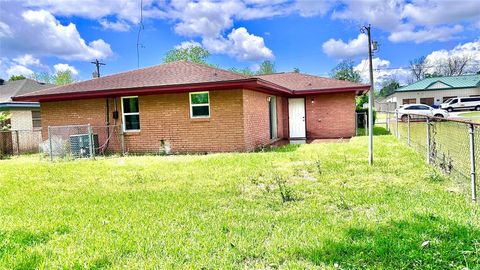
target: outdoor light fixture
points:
(312, 100)
(269, 98)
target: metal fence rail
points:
(450, 145)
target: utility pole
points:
(98, 64)
(367, 30)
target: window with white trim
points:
(199, 105)
(131, 114)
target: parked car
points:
(416, 111)
(461, 103)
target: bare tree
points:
(418, 66)
(454, 66)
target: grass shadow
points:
(402, 245)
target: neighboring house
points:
(434, 91)
(198, 108)
(25, 117)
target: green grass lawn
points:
(469, 114)
(301, 207)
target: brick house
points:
(198, 108)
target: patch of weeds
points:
(28, 261)
(318, 166)
(434, 176)
(100, 263)
(286, 192)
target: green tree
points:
(17, 78)
(344, 71)
(4, 117)
(266, 67)
(296, 70)
(61, 77)
(195, 54)
(243, 71)
(389, 87)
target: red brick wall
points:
(167, 117)
(164, 117)
(331, 115)
(257, 118)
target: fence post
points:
(122, 141)
(356, 123)
(50, 143)
(17, 142)
(472, 162)
(365, 123)
(408, 130)
(428, 140)
(387, 122)
(90, 142)
(396, 124)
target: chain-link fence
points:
(82, 141)
(16, 142)
(450, 145)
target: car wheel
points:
(439, 115)
(404, 118)
(477, 108)
(449, 110)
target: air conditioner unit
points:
(80, 145)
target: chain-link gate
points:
(83, 141)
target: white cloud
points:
(308, 8)
(39, 33)
(441, 12)
(417, 20)
(119, 26)
(65, 67)
(470, 50)
(19, 70)
(188, 44)
(27, 60)
(382, 72)
(437, 34)
(245, 46)
(339, 49)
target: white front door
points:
(296, 116)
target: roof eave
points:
(357, 89)
(250, 83)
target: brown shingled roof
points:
(304, 82)
(174, 73)
(186, 76)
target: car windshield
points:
(448, 100)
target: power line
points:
(140, 28)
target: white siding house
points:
(434, 91)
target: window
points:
(409, 101)
(36, 120)
(445, 99)
(454, 101)
(199, 105)
(423, 107)
(131, 114)
(471, 99)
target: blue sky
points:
(43, 35)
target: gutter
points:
(18, 105)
